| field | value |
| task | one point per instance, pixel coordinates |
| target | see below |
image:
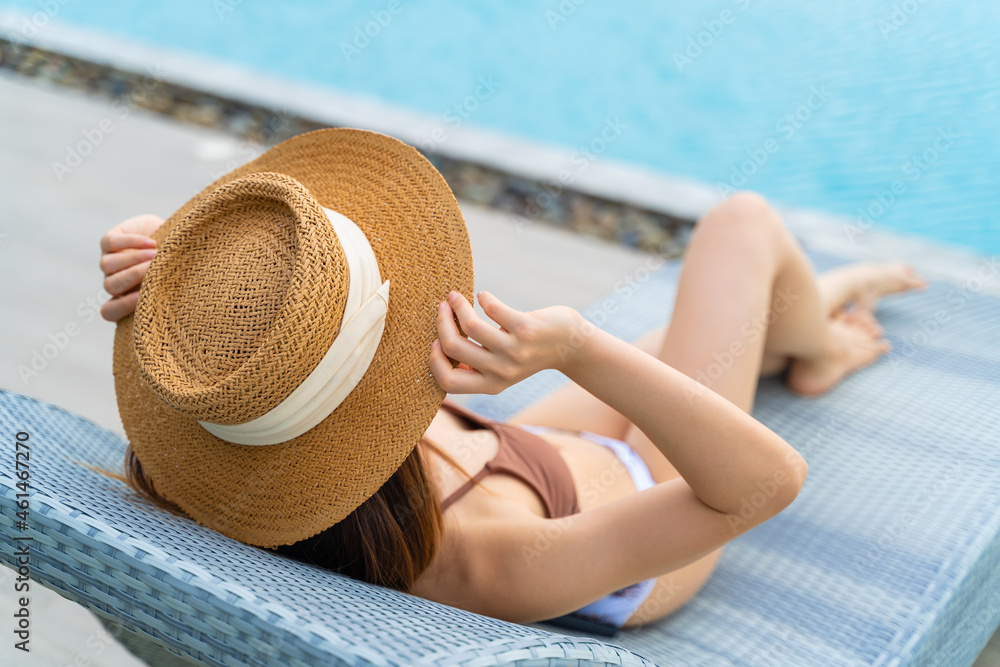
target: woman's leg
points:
(747, 304)
(717, 254)
(745, 287)
(747, 296)
(861, 283)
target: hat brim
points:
(280, 494)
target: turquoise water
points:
(886, 110)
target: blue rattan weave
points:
(889, 556)
(221, 601)
(891, 553)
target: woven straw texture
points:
(889, 556)
(232, 317)
(243, 299)
(217, 601)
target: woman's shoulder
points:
(459, 558)
(446, 572)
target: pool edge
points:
(620, 202)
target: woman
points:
(748, 305)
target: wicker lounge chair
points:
(890, 555)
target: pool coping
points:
(624, 203)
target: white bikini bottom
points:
(616, 608)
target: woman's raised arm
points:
(735, 472)
(727, 457)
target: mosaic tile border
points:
(538, 201)
(637, 208)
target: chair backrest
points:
(183, 586)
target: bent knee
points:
(742, 205)
(745, 212)
(746, 203)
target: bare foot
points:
(864, 283)
(855, 345)
(864, 319)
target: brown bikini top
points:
(526, 456)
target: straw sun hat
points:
(275, 372)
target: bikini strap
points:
(465, 488)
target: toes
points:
(865, 321)
(852, 315)
(916, 281)
(879, 347)
(872, 351)
(880, 344)
(866, 301)
(873, 324)
(910, 278)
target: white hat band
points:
(344, 364)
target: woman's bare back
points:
(589, 463)
(862, 283)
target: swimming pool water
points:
(886, 110)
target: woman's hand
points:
(126, 252)
(524, 344)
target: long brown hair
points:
(388, 540)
